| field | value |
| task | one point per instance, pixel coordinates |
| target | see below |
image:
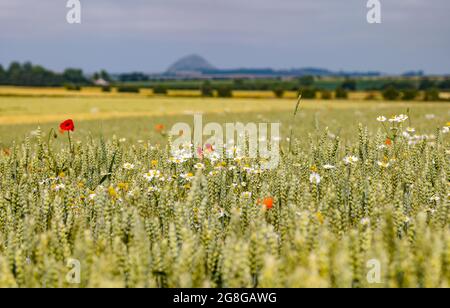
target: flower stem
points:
(70, 142)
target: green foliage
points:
(391, 94)
(279, 92)
(443, 85)
(207, 89)
(426, 84)
(128, 89)
(75, 76)
(410, 95)
(306, 81)
(432, 95)
(225, 91)
(2, 75)
(341, 93)
(160, 89)
(30, 75)
(106, 89)
(308, 93)
(325, 94)
(349, 85)
(72, 87)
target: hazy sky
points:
(148, 35)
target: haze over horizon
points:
(149, 35)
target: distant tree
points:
(400, 85)
(306, 81)
(224, 91)
(2, 75)
(308, 93)
(279, 92)
(160, 89)
(75, 76)
(133, 77)
(106, 89)
(72, 87)
(391, 94)
(128, 89)
(341, 93)
(445, 84)
(326, 94)
(14, 74)
(207, 89)
(432, 95)
(426, 84)
(105, 76)
(238, 84)
(349, 84)
(410, 95)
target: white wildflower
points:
(350, 160)
(128, 166)
(59, 187)
(383, 164)
(315, 178)
(152, 174)
(247, 194)
(199, 166)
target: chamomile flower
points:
(199, 166)
(128, 166)
(381, 119)
(152, 174)
(187, 176)
(315, 178)
(247, 194)
(350, 160)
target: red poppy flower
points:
(268, 203)
(67, 125)
(388, 141)
(159, 127)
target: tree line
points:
(27, 74)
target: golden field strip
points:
(134, 115)
(31, 110)
(6, 91)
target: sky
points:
(149, 35)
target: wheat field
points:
(358, 200)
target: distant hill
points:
(192, 63)
(195, 66)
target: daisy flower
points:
(350, 160)
(128, 166)
(315, 178)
